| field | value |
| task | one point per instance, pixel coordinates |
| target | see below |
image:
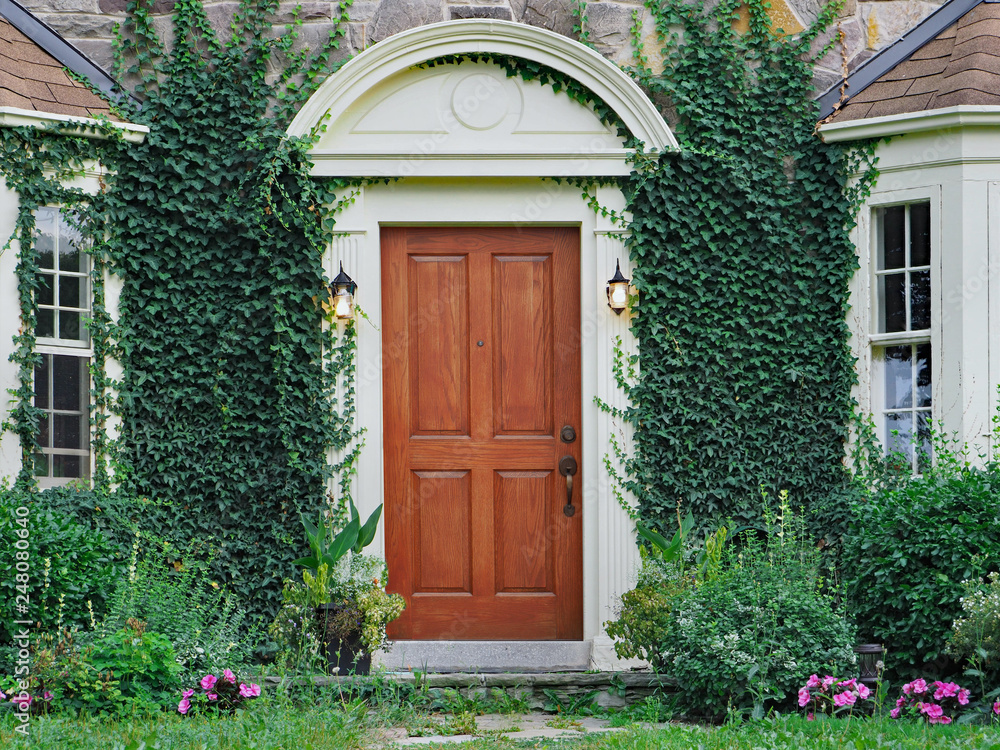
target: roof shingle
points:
(960, 66)
(30, 78)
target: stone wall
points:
(866, 26)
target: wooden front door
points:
(481, 368)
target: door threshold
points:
(487, 656)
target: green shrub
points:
(71, 565)
(206, 626)
(975, 635)
(911, 545)
(744, 638)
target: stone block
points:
(853, 42)
(489, 656)
(79, 25)
(98, 50)
(609, 26)
(72, 6)
(394, 16)
(823, 79)
(553, 15)
(888, 20)
(480, 11)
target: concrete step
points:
(487, 656)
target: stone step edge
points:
(507, 679)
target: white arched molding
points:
(383, 115)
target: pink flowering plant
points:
(830, 696)
(938, 703)
(223, 694)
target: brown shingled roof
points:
(961, 65)
(30, 78)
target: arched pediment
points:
(384, 113)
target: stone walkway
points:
(513, 726)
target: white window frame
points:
(879, 341)
(80, 349)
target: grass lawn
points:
(340, 727)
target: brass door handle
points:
(567, 467)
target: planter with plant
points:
(346, 604)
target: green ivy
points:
(227, 402)
(743, 258)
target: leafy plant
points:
(910, 547)
(354, 537)
(975, 635)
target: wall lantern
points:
(618, 290)
(343, 289)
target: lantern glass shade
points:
(343, 290)
(618, 290)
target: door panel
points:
(481, 367)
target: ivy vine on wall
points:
(743, 258)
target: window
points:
(903, 322)
(62, 379)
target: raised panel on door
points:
(438, 343)
(523, 356)
(442, 518)
(522, 508)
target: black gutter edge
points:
(881, 63)
(49, 40)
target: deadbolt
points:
(567, 434)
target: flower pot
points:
(342, 644)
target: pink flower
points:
(919, 687)
(3, 696)
(813, 682)
(945, 690)
(932, 710)
(249, 691)
(848, 683)
(46, 696)
(184, 706)
(208, 681)
(828, 681)
(894, 713)
(863, 691)
(810, 717)
(803, 697)
(844, 699)
(900, 702)
(940, 720)
(187, 694)
(212, 696)
(228, 676)
(996, 707)
(963, 697)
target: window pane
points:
(45, 291)
(67, 466)
(920, 300)
(893, 237)
(71, 290)
(45, 324)
(68, 430)
(892, 296)
(42, 383)
(898, 377)
(899, 427)
(69, 326)
(41, 465)
(69, 247)
(44, 433)
(924, 375)
(920, 234)
(45, 234)
(66, 383)
(923, 445)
